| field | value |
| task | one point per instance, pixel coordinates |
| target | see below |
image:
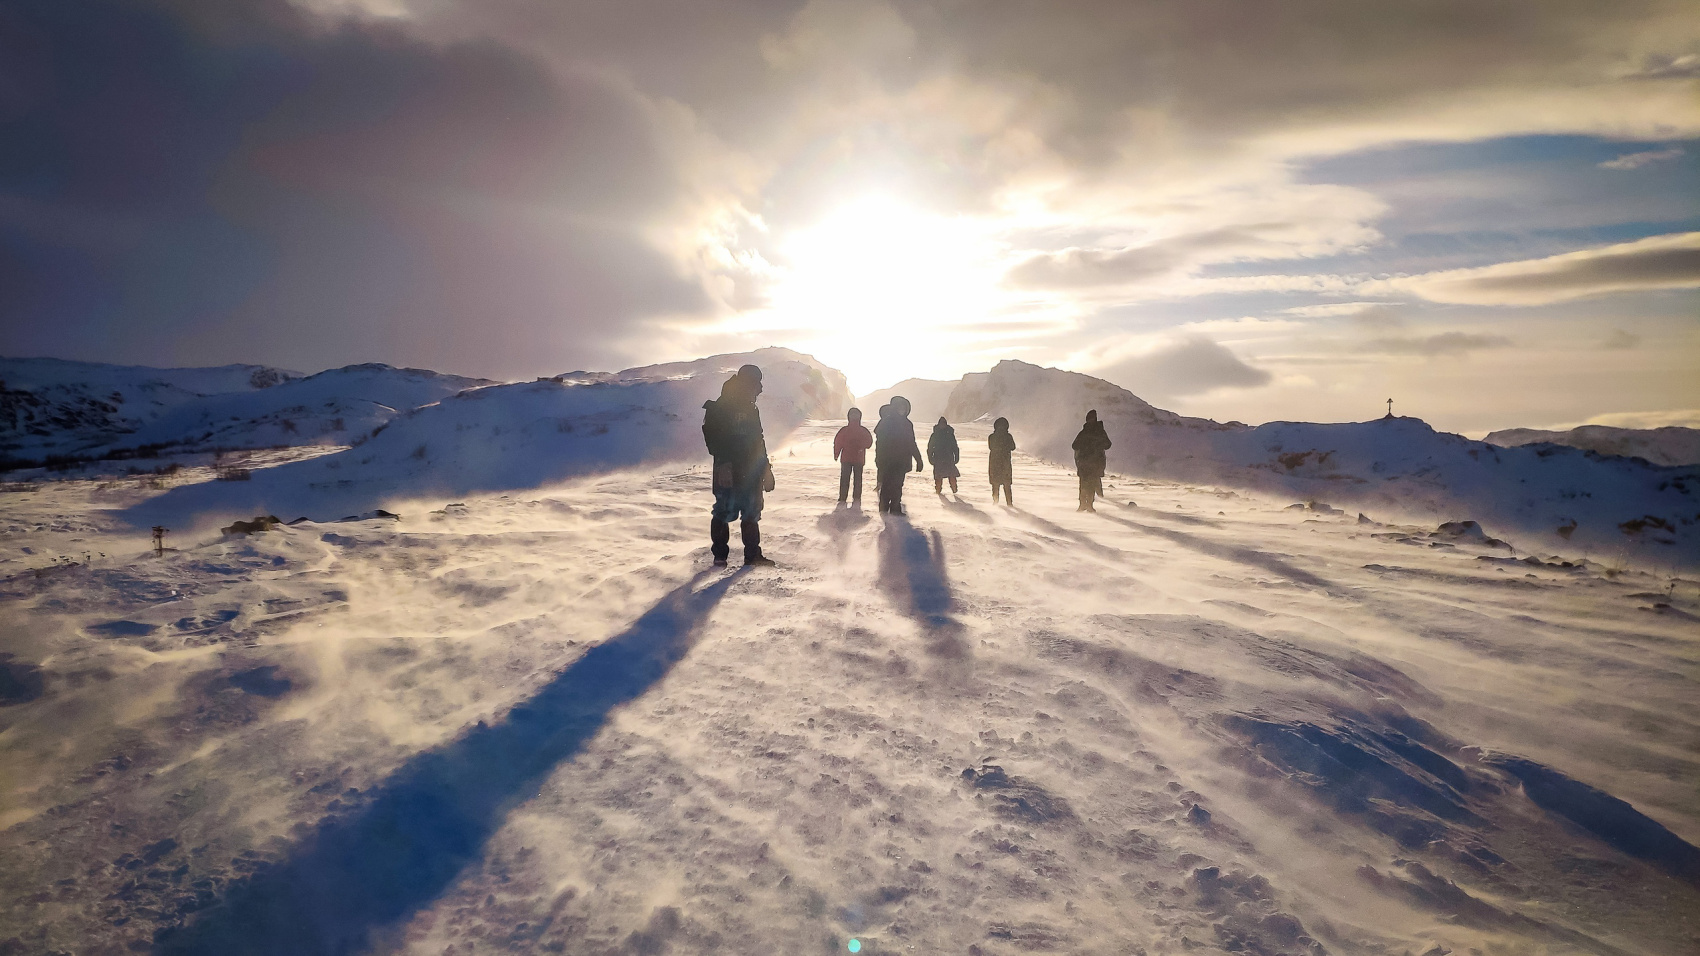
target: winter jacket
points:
(731, 429)
(852, 443)
(894, 443)
(1089, 448)
(943, 453)
(1001, 446)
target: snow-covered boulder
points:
(523, 435)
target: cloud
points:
(1680, 417)
(1637, 160)
(1657, 262)
(1619, 339)
(1190, 365)
(282, 188)
(1443, 343)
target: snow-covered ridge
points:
(928, 398)
(1670, 445)
(522, 435)
(1545, 496)
(57, 407)
(334, 407)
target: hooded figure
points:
(1000, 446)
(943, 454)
(731, 428)
(1089, 448)
(850, 448)
(894, 447)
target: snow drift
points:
(522, 435)
(1548, 495)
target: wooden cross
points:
(159, 538)
(1390, 408)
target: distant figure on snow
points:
(943, 454)
(850, 448)
(894, 447)
(1001, 445)
(731, 427)
(1089, 448)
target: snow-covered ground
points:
(538, 722)
(1669, 445)
(508, 437)
(56, 407)
(1538, 498)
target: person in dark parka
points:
(1089, 459)
(850, 448)
(731, 427)
(944, 455)
(894, 448)
(1000, 446)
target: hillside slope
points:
(1670, 445)
(58, 407)
(1545, 497)
(523, 435)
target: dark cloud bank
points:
(206, 183)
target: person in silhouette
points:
(884, 413)
(943, 454)
(1001, 445)
(731, 427)
(850, 449)
(894, 448)
(1089, 460)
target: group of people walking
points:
(731, 427)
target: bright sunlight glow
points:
(878, 284)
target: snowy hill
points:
(523, 435)
(334, 407)
(58, 407)
(1670, 445)
(539, 722)
(1542, 497)
(928, 398)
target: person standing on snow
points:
(850, 448)
(731, 427)
(1001, 445)
(894, 447)
(943, 454)
(1089, 459)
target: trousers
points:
(849, 472)
(891, 486)
(720, 534)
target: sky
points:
(1489, 213)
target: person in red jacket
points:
(850, 450)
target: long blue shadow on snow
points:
(368, 870)
(912, 572)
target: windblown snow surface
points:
(1670, 445)
(540, 722)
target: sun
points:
(883, 290)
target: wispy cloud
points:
(1188, 365)
(1637, 160)
(1657, 262)
(1443, 343)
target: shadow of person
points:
(912, 573)
(965, 509)
(366, 870)
(1247, 556)
(840, 523)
